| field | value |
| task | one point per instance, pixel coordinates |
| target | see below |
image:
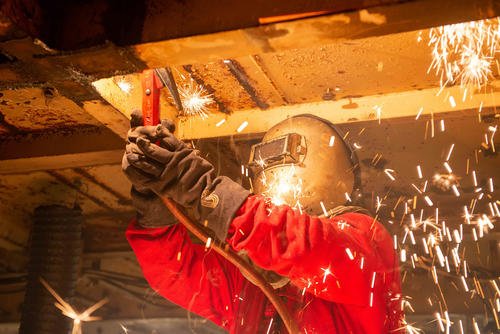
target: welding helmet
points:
(305, 163)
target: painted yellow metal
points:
(366, 108)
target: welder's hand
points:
(151, 212)
(172, 169)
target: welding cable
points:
(151, 116)
(245, 268)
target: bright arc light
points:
(282, 187)
(124, 85)
(195, 99)
(464, 53)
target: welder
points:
(336, 270)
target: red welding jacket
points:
(343, 271)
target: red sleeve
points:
(334, 258)
(185, 273)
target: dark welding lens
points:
(285, 149)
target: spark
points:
(426, 248)
(440, 255)
(349, 253)
(270, 324)
(419, 171)
(124, 85)
(464, 53)
(464, 282)
(448, 167)
(428, 201)
(453, 104)
(208, 243)
(440, 321)
(219, 123)
(283, 187)
(195, 99)
(69, 311)
(416, 188)
(419, 113)
(409, 328)
(444, 181)
(325, 212)
(434, 275)
(327, 272)
(449, 152)
(490, 184)
(388, 172)
(373, 279)
(479, 111)
(461, 326)
(476, 327)
(379, 204)
(378, 110)
(242, 126)
(495, 286)
(332, 141)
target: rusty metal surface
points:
(226, 87)
(21, 193)
(361, 67)
(75, 24)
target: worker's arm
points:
(200, 281)
(185, 273)
(333, 258)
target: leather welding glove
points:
(151, 212)
(172, 169)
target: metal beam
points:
(108, 116)
(66, 25)
(388, 18)
(365, 108)
(25, 165)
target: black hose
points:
(54, 255)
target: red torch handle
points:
(151, 86)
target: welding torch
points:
(153, 80)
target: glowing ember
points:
(464, 53)
(195, 99)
